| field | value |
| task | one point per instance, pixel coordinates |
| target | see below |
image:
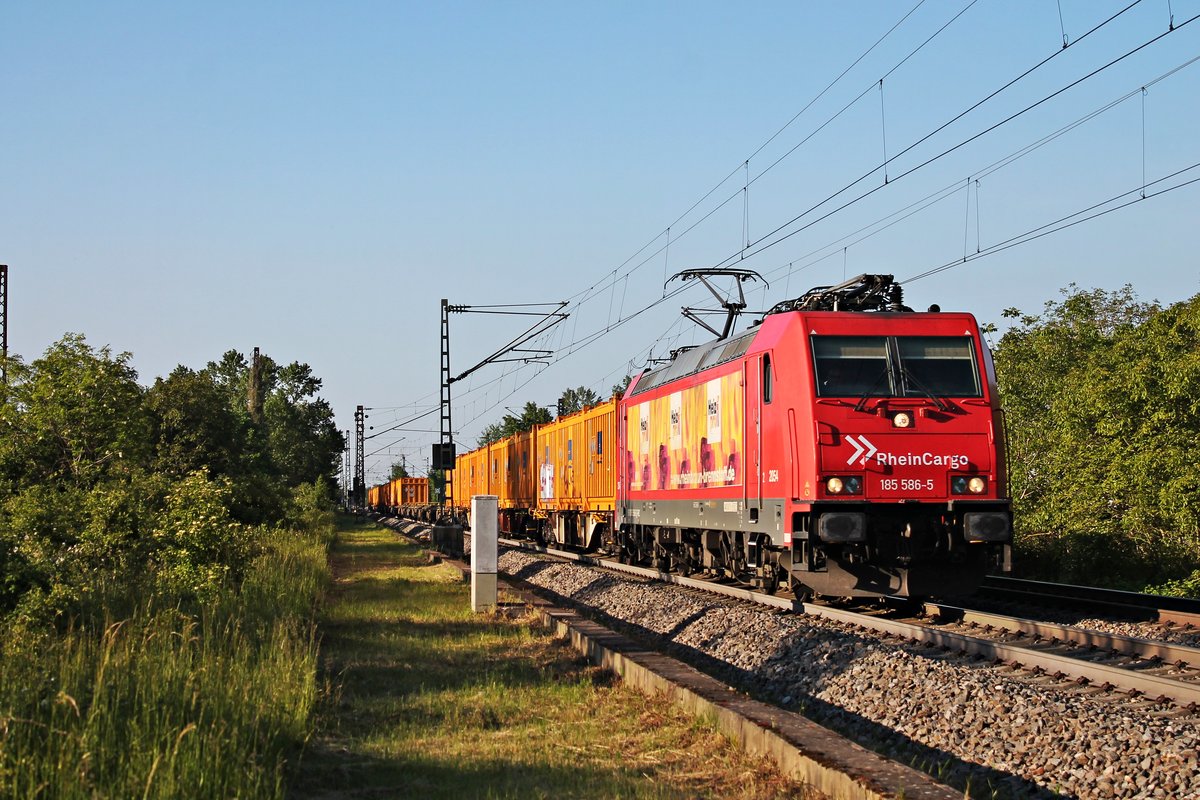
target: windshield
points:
(895, 366)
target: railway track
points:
(1178, 611)
(1003, 726)
(1158, 672)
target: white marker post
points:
(485, 525)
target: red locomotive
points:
(844, 446)
(846, 443)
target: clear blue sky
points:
(179, 179)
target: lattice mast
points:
(4, 323)
(346, 471)
(360, 472)
(443, 456)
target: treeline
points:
(162, 558)
(1102, 396)
(571, 400)
(110, 491)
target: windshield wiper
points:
(911, 380)
(862, 401)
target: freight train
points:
(843, 446)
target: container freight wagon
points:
(576, 477)
(472, 476)
(504, 469)
(398, 493)
(411, 491)
(514, 483)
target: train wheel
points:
(689, 564)
(627, 549)
(770, 577)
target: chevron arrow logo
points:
(863, 449)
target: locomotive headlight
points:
(851, 484)
(961, 484)
(903, 419)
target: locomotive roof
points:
(720, 351)
(698, 358)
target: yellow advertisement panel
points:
(691, 438)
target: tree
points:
(75, 496)
(76, 415)
(532, 414)
(109, 491)
(231, 374)
(194, 427)
(303, 440)
(577, 399)
(297, 432)
(399, 470)
(198, 425)
(1100, 393)
(618, 389)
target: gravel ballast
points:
(973, 724)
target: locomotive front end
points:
(906, 492)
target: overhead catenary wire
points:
(742, 253)
(577, 343)
(1068, 221)
(740, 191)
(614, 275)
(737, 256)
(586, 294)
(938, 195)
(864, 232)
(1007, 85)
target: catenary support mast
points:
(360, 472)
(4, 323)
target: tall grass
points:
(167, 703)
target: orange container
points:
(514, 470)
(410, 491)
(577, 461)
(472, 472)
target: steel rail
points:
(1165, 610)
(1156, 687)
(1099, 640)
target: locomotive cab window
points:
(895, 366)
(768, 384)
(944, 365)
(852, 366)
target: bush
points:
(312, 506)
(197, 547)
(1184, 587)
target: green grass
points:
(425, 699)
(169, 704)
